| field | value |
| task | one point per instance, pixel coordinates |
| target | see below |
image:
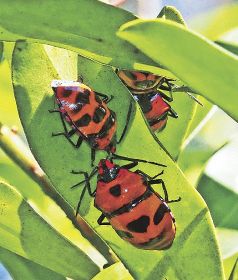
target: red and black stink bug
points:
(149, 91)
(88, 115)
(137, 213)
(146, 89)
(155, 109)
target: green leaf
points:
(85, 26)
(171, 13)
(21, 268)
(32, 74)
(196, 61)
(29, 236)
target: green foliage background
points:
(42, 240)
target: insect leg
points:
(147, 176)
(100, 220)
(166, 97)
(93, 153)
(86, 187)
(105, 98)
(172, 113)
(54, 111)
(130, 165)
(126, 125)
(67, 133)
(166, 196)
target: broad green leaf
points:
(204, 142)
(21, 268)
(171, 13)
(57, 157)
(85, 26)
(29, 236)
(195, 60)
(115, 272)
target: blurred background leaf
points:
(21, 268)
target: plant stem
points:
(12, 144)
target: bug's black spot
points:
(115, 190)
(159, 214)
(107, 125)
(99, 114)
(78, 108)
(124, 234)
(139, 225)
(67, 92)
(84, 121)
(83, 97)
(99, 39)
(144, 102)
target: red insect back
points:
(112, 195)
(157, 116)
(158, 107)
(138, 214)
(150, 225)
